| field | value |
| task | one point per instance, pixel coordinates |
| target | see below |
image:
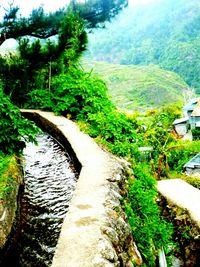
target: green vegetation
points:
(74, 93)
(4, 179)
(21, 73)
(150, 231)
(14, 129)
(196, 134)
(42, 26)
(9, 174)
(139, 87)
(56, 82)
(165, 33)
(14, 132)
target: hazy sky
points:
(50, 5)
(27, 5)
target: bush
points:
(196, 134)
(9, 174)
(150, 231)
(178, 158)
(116, 130)
(14, 129)
(40, 99)
(75, 93)
(79, 94)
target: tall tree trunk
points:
(49, 86)
(160, 164)
(167, 170)
(152, 164)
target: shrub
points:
(179, 158)
(116, 130)
(14, 129)
(40, 99)
(78, 94)
(196, 134)
(150, 231)
(9, 174)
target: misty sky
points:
(51, 5)
(26, 6)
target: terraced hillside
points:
(139, 87)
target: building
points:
(181, 126)
(193, 166)
(191, 119)
(195, 115)
(188, 109)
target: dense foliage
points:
(29, 73)
(14, 129)
(4, 181)
(41, 25)
(36, 63)
(150, 231)
(164, 33)
(96, 12)
(56, 82)
(9, 174)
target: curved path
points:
(94, 231)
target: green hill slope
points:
(164, 33)
(139, 87)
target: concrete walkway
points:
(94, 231)
(183, 195)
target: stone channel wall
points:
(95, 232)
(180, 202)
(8, 209)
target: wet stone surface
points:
(50, 179)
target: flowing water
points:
(50, 180)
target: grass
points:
(139, 87)
(9, 175)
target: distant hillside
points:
(139, 87)
(165, 33)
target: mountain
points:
(166, 33)
(139, 87)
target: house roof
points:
(197, 124)
(194, 162)
(196, 111)
(180, 121)
(190, 106)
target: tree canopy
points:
(98, 11)
(47, 43)
(41, 25)
(48, 51)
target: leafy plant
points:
(116, 130)
(8, 171)
(150, 231)
(79, 94)
(196, 134)
(14, 129)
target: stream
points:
(50, 179)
